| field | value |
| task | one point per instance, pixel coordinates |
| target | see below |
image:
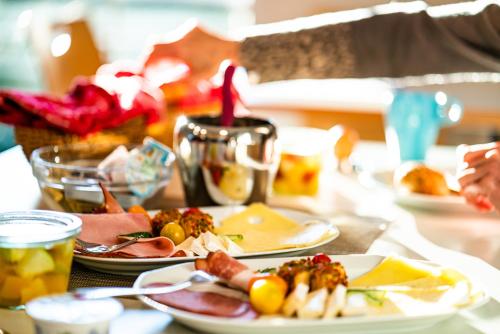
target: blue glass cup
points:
(413, 121)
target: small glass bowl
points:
(69, 177)
(36, 250)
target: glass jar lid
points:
(24, 229)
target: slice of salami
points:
(208, 303)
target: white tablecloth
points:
(404, 237)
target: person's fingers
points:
(482, 195)
(490, 166)
(471, 175)
(488, 156)
(474, 196)
(471, 192)
(487, 184)
(474, 152)
(495, 198)
(483, 204)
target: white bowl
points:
(64, 314)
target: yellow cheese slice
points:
(395, 270)
(419, 281)
(264, 229)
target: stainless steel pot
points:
(226, 165)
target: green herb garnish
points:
(234, 237)
(267, 271)
(136, 235)
(372, 297)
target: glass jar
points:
(303, 154)
(36, 250)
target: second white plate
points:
(420, 201)
(355, 265)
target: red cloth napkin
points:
(106, 102)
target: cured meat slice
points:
(226, 268)
(110, 203)
(208, 303)
(105, 228)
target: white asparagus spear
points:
(295, 300)
(315, 305)
(356, 305)
(335, 302)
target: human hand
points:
(479, 175)
(201, 50)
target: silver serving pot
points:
(226, 165)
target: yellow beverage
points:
(298, 175)
(301, 160)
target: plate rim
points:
(407, 198)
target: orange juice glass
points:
(302, 160)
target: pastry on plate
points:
(418, 178)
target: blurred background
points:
(45, 44)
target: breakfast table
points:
(368, 220)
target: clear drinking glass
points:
(302, 159)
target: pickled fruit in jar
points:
(28, 273)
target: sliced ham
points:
(208, 303)
(226, 268)
(105, 228)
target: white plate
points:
(355, 265)
(125, 266)
(428, 202)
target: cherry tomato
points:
(321, 258)
(267, 294)
(255, 278)
(269, 276)
(190, 211)
(174, 232)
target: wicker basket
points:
(132, 131)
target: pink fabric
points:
(104, 229)
(106, 102)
